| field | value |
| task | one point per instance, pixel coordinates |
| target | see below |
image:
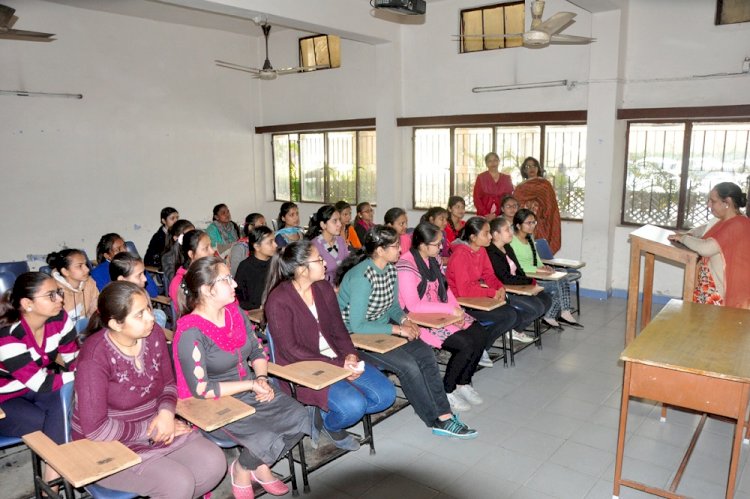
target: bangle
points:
(262, 376)
(400, 331)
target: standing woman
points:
(324, 230)
(252, 272)
(724, 270)
(537, 194)
(524, 248)
(368, 299)
(364, 220)
(347, 229)
(222, 231)
(34, 331)
(470, 275)
(396, 218)
(126, 391)
(422, 288)
(456, 212)
(289, 229)
(195, 244)
(213, 345)
(490, 187)
(70, 269)
(305, 320)
(158, 242)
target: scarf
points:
(429, 274)
(733, 237)
(288, 231)
(229, 338)
(228, 231)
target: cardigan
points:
(332, 262)
(251, 281)
(501, 266)
(467, 269)
(156, 247)
(296, 332)
(488, 194)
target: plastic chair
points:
(130, 246)
(14, 268)
(545, 253)
(46, 269)
(6, 281)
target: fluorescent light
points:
(24, 93)
(521, 86)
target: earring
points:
(726, 205)
(28, 309)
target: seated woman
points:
(71, 271)
(213, 345)
(368, 299)
(109, 245)
(126, 266)
(222, 230)
(288, 225)
(171, 255)
(422, 288)
(252, 272)
(456, 212)
(347, 229)
(724, 270)
(34, 332)
(397, 219)
(126, 391)
(364, 220)
(305, 321)
(470, 275)
(509, 208)
(524, 248)
(241, 248)
(509, 271)
(438, 216)
(158, 242)
(537, 194)
(195, 244)
(324, 230)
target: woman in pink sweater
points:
(423, 288)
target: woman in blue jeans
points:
(305, 322)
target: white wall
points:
(158, 125)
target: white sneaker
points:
(522, 337)
(485, 361)
(469, 394)
(457, 403)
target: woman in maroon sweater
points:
(125, 390)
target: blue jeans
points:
(529, 308)
(34, 411)
(348, 401)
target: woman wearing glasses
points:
(216, 354)
(34, 332)
(524, 224)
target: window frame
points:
(331, 64)
(688, 123)
(452, 165)
(502, 6)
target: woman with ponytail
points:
(324, 232)
(126, 392)
(305, 321)
(242, 248)
(524, 247)
(70, 270)
(172, 259)
(216, 354)
(253, 271)
(195, 244)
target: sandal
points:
(241, 491)
(274, 487)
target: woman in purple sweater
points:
(325, 227)
(125, 390)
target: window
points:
(663, 187)
(448, 160)
(320, 50)
(478, 25)
(324, 167)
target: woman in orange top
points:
(347, 229)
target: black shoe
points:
(576, 325)
(453, 427)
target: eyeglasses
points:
(52, 295)
(530, 222)
(438, 244)
(397, 244)
(228, 278)
(510, 205)
(319, 260)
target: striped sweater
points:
(26, 366)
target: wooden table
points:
(211, 414)
(653, 241)
(548, 276)
(480, 302)
(314, 374)
(694, 356)
(378, 343)
(433, 320)
(523, 289)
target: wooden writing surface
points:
(523, 289)
(378, 343)
(314, 374)
(255, 315)
(210, 414)
(433, 320)
(480, 303)
(162, 300)
(83, 461)
(564, 262)
(548, 276)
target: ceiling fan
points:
(7, 20)
(267, 72)
(542, 33)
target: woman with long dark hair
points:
(252, 273)
(324, 232)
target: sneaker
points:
(453, 427)
(522, 337)
(457, 403)
(342, 439)
(485, 361)
(469, 394)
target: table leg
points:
(634, 281)
(688, 283)
(621, 432)
(648, 289)
(737, 442)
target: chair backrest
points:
(271, 349)
(6, 281)
(66, 399)
(542, 247)
(15, 268)
(81, 325)
(46, 269)
(130, 245)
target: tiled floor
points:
(548, 429)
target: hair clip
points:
(179, 238)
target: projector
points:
(406, 7)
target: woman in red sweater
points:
(490, 188)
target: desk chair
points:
(545, 253)
(14, 268)
(6, 281)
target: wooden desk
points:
(162, 300)
(523, 289)
(480, 303)
(548, 276)
(314, 374)
(378, 343)
(694, 356)
(563, 262)
(255, 315)
(432, 320)
(653, 242)
(210, 414)
(83, 461)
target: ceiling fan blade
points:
(238, 67)
(6, 16)
(556, 23)
(571, 39)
